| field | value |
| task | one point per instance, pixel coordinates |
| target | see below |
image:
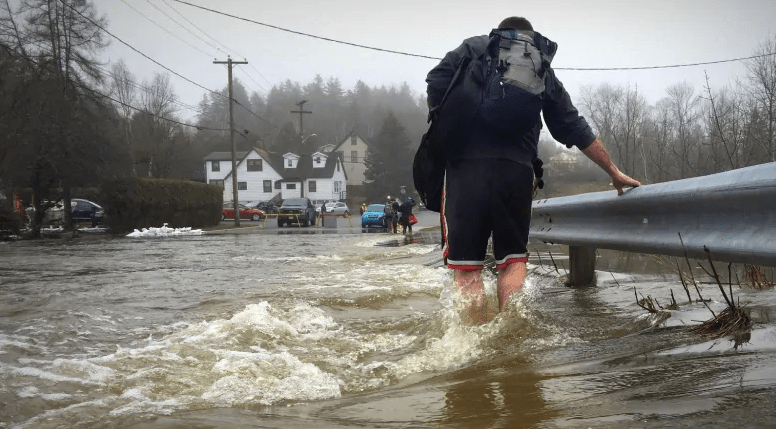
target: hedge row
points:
(138, 203)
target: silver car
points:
(337, 208)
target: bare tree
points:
(732, 124)
(11, 31)
(618, 115)
(632, 119)
(661, 130)
(762, 87)
(154, 129)
(122, 89)
(683, 107)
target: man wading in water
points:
(491, 121)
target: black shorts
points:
(483, 197)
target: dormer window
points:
(353, 140)
(290, 163)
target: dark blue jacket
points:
(482, 142)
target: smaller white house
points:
(262, 175)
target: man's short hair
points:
(515, 23)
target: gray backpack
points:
(511, 75)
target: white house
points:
(352, 150)
(261, 175)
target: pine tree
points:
(388, 161)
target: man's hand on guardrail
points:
(621, 180)
(597, 153)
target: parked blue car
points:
(374, 216)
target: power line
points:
(136, 50)
(439, 58)
(213, 39)
(164, 29)
(181, 25)
(665, 66)
(165, 67)
(200, 30)
(80, 85)
(307, 34)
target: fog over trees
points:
(68, 121)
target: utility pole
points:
(301, 113)
(229, 63)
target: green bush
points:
(137, 203)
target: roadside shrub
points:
(10, 220)
(138, 202)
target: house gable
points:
(352, 150)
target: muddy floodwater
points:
(315, 328)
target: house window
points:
(267, 186)
(311, 185)
(254, 165)
(242, 186)
(217, 182)
(277, 184)
(290, 185)
(337, 186)
(289, 163)
(353, 156)
(215, 166)
(353, 141)
(317, 159)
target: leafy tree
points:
(388, 160)
(56, 139)
(66, 32)
(64, 134)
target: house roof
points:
(304, 167)
(347, 139)
(225, 156)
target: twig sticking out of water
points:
(729, 302)
(647, 303)
(618, 283)
(732, 320)
(689, 267)
(684, 283)
(673, 305)
(553, 262)
(539, 254)
(756, 277)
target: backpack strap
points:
(433, 111)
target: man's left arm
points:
(597, 153)
(569, 127)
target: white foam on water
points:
(164, 231)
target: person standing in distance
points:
(489, 175)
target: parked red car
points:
(245, 212)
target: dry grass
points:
(733, 320)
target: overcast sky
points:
(590, 34)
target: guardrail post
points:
(581, 265)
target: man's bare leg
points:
(510, 280)
(475, 310)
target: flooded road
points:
(316, 328)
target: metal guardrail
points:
(733, 214)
